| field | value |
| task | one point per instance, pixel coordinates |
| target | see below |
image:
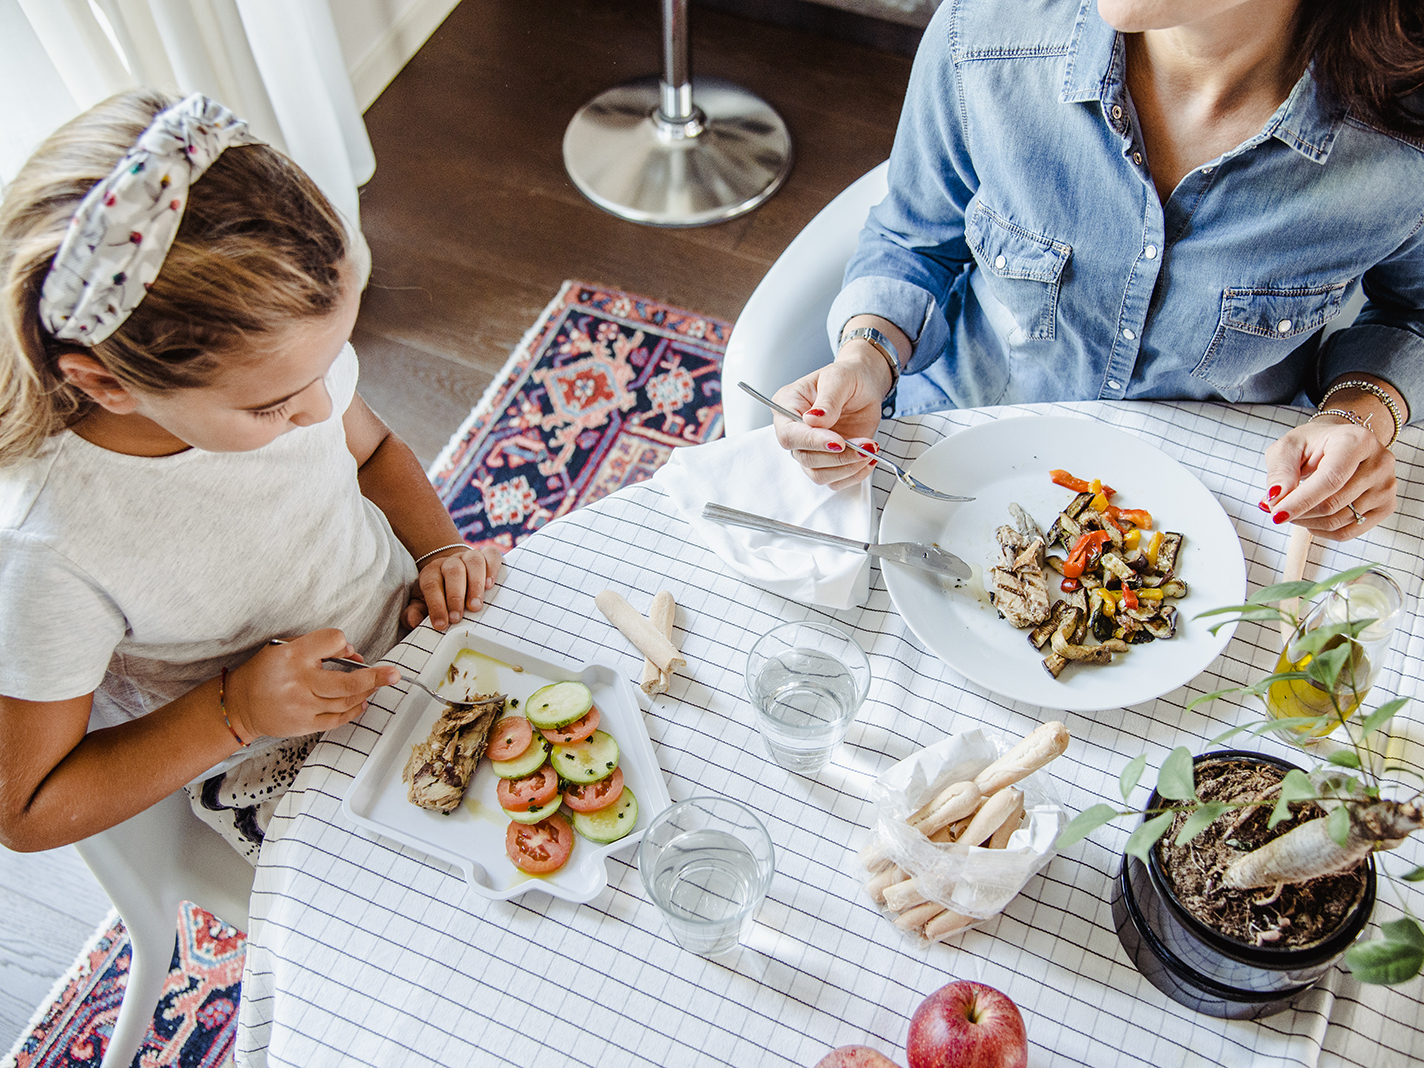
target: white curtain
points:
(276, 63)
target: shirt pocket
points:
(1021, 269)
(1259, 328)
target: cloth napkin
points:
(751, 472)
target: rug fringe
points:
(60, 985)
(486, 401)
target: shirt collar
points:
(1308, 121)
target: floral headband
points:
(123, 229)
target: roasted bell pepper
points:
(1079, 485)
(1138, 517)
(1129, 597)
(1154, 546)
(1132, 539)
(1084, 553)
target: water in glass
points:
(806, 700)
(708, 883)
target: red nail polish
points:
(1280, 517)
(815, 411)
(835, 446)
(1264, 506)
(872, 447)
(1273, 493)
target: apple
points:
(855, 1057)
(967, 1025)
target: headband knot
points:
(122, 231)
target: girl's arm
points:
(453, 580)
(59, 784)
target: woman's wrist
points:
(1366, 402)
(867, 360)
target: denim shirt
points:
(1024, 250)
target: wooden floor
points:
(473, 225)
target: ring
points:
(1355, 512)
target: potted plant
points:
(1248, 877)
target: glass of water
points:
(707, 864)
(806, 681)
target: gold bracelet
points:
(1375, 391)
(1351, 417)
(222, 706)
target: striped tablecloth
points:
(363, 952)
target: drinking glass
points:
(1373, 599)
(806, 681)
(707, 864)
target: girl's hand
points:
(284, 691)
(1317, 471)
(451, 585)
(839, 402)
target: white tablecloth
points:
(364, 952)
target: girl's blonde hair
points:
(259, 248)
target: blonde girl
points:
(187, 472)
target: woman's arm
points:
(453, 579)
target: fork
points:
(900, 473)
(352, 665)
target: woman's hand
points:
(840, 402)
(284, 691)
(1317, 471)
(451, 584)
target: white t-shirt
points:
(137, 578)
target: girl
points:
(186, 472)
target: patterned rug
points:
(600, 391)
(196, 1020)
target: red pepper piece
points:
(1129, 597)
(1068, 585)
(1067, 481)
(1082, 556)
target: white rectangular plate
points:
(472, 837)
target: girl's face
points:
(276, 386)
(1135, 16)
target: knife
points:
(925, 557)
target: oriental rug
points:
(595, 397)
(196, 1020)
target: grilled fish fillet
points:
(440, 768)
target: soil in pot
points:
(1299, 914)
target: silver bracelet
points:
(1374, 391)
(881, 344)
(1348, 416)
(457, 545)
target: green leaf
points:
(1415, 876)
(1384, 961)
(1296, 786)
(1131, 776)
(1291, 725)
(1338, 579)
(1141, 841)
(1345, 758)
(1177, 779)
(1380, 716)
(1326, 667)
(1200, 820)
(1327, 635)
(1405, 930)
(1337, 824)
(1085, 823)
(1281, 591)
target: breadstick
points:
(1045, 742)
(913, 918)
(953, 803)
(988, 819)
(1000, 838)
(957, 828)
(889, 877)
(904, 895)
(873, 858)
(661, 615)
(640, 632)
(944, 834)
(946, 923)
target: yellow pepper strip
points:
(1100, 502)
(1132, 538)
(1096, 486)
(1151, 593)
(1153, 546)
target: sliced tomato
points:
(592, 796)
(510, 737)
(576, 731)
(539, 848)
(530, 792)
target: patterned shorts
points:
(239, 803)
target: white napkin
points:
(751, 472)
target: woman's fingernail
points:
(1273, 493)
(1280, 517)
(1264, 506)
(814, 411)
(872, 447)
(835, 446)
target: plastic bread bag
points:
(974, 881)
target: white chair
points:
(781, 332)
(148, 865)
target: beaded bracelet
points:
(1375, 391)
(457, 545)
(222, 706)
(1343, 414)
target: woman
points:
(1142, 199)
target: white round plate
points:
(1009, 460)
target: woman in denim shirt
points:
(1129, 199)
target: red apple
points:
(967, 1025)
(855, 1057)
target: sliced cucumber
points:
(526, 763)
(592, 759)
(611, 823)
(534, 816)
(558, 705)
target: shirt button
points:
(1114, 385)
(1208, 170)
(1284, 326)
(1117, 111)
(1128, 334)
(1000, 263)
(1150, 252)
(1137, 158)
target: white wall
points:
(378, 38)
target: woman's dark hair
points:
(1370, 55)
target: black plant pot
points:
(1204, 970)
